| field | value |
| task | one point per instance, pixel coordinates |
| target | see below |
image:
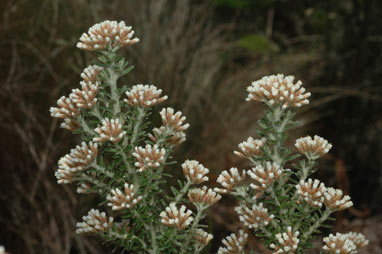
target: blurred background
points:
(203, 54)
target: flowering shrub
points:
(122, 162)
(282, 206)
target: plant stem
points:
(194, 225)
(307, 169)
(137, 125)
(154, 246)
(113, 77)
(316, 225)
(85, 126)
(183, 191)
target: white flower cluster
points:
(313, 148)
(107, 33)
(172, 128)
(2, 250)
(90, 73)
(173, 120)
(110, 130)
(202, 237)
(278, 89)
(69, 108)
(78, 160)
(287, 242)
(85, 98)
(250, 148)
(119, 200)
(173, 217)
(144, 96)
(148, 157)
(94, 222)
(195, 171)
(334, 199)
(234, 244)
(203, 196)
(66, 109)
(230, 180)
(339, 244)
(265, 176)
(358, 239)
(254, 217)
(312, 192)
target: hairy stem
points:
(183, 191)
(112, 81)
(316, 225)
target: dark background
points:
(203, 54)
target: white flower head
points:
(177, 218)
(234, 244)
(107, 33)
(313, 148)
(338, 243)
(144, 96)
(195, 171)
(110, 130)
(94, 222)
(149, 157)
(278, 89)
(287, 242)
(119, 200)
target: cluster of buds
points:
(339, 244)
(172, 128)
(277, 89)
(69, 108)
(203, 196)
(94, 222)
(358, 239)
(335, 200)
(85, 98)
(144, 96)
(195, 171)
(173, 217)
(234, 244)
(119, 200)
(230, 180)
(313, 148)
(70, 124)
(287, 242)
(107, 33)
(250, 148)
(148, 157)
(90, 73)
(110, 130)
(84, 188)
(254, 217)
(172, 120)
(66, 109)
(78, 160)
(312, 192)
(264, 176)
(202, 237)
